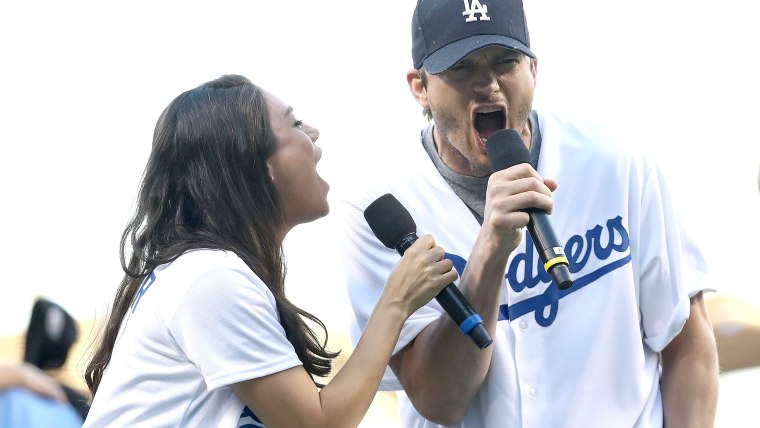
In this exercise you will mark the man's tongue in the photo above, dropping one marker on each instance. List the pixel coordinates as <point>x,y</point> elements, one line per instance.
<point>488,123</point>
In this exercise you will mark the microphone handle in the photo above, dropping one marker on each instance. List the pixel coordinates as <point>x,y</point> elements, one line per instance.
<point>549,248</point>
<point>469,321</point>
<point>456,305</point>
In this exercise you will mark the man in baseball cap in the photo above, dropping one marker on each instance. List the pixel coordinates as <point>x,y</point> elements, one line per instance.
<point>624,343</point>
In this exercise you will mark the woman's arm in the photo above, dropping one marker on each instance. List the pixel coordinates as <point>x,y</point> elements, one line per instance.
<point>31,378</point>
<point>290,399</point>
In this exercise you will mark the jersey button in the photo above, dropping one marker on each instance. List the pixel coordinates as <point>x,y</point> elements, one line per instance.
<point>523,325</point>
<point>532,392</point>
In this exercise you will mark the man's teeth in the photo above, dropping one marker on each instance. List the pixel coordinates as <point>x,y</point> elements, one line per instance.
<point>487,110</point>
<point>483,140</point>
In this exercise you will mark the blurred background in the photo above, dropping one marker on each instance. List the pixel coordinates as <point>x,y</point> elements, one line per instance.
<point>83,83</point>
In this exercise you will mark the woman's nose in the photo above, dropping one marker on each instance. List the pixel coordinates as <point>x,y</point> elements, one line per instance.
<point>313,133</point>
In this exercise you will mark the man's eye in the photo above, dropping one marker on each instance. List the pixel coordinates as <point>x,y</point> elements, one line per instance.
<point>460,66</point>
<point>298,123</point>
<point>505,65</point>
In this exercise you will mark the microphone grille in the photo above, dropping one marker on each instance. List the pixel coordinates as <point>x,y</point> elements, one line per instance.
<point>505,148</point>
<point>389,220</point>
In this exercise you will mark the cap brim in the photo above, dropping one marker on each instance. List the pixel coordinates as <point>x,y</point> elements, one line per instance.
<point>445,57</point>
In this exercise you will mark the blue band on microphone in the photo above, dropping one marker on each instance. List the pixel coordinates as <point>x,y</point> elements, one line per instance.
<point>470,323</point>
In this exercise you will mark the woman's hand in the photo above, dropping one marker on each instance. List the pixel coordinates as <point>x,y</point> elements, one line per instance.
<point>420,275</point>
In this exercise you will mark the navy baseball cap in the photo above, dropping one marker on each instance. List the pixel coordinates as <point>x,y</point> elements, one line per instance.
<point>445,31</point>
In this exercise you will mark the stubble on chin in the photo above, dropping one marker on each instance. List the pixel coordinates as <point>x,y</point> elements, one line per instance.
<point>456,150</point>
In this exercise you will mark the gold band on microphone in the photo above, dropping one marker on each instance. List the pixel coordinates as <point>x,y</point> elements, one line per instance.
<point>560,259</point>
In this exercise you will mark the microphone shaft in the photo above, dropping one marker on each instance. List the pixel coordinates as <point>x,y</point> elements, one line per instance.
<point>456,305</point>
<point>549,248</point>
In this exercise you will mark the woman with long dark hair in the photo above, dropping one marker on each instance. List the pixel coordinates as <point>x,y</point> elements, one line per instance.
<point>201,333</point>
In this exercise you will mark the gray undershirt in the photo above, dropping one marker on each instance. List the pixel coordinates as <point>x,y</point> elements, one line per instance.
<point>472,190</point>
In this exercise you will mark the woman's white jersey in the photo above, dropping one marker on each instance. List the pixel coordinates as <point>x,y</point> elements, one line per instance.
<point>197,326</point>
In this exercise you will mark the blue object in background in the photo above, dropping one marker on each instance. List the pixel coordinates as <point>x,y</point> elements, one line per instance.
<point>20,408</point>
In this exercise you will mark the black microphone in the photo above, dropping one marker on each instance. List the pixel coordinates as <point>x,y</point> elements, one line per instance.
<point>505,148</point>
<point>395,228</point>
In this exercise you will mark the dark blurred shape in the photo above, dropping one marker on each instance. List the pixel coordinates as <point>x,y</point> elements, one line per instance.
<point>49,337</point>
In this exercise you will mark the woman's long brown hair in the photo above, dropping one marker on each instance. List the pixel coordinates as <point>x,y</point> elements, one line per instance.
<point>206,185</point>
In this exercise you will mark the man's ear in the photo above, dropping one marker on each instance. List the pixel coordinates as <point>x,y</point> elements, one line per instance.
<point>417,87</point>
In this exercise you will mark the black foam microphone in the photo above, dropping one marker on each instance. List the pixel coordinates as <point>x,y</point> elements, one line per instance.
<point>505,148</point>
<point>395,228</point>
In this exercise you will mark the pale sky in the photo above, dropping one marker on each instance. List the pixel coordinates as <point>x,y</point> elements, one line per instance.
<point>84,82</point>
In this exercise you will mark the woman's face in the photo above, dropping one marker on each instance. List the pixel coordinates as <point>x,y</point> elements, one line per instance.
<point>293,166</point>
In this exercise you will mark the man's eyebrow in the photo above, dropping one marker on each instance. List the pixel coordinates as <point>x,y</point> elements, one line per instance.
<point>509,52</point>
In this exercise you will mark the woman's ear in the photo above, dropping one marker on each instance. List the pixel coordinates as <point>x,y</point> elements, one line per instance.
<point>269,171</point>
<point>417,87</point>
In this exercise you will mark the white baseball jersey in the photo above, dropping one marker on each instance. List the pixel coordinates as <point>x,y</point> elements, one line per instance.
<point>197,326</point>
<point>584,357</point>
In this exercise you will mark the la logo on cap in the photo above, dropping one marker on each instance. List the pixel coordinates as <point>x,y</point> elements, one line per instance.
<point>472,7</point>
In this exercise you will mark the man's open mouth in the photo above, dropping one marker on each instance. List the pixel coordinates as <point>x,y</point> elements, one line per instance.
<point>487,121</point>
